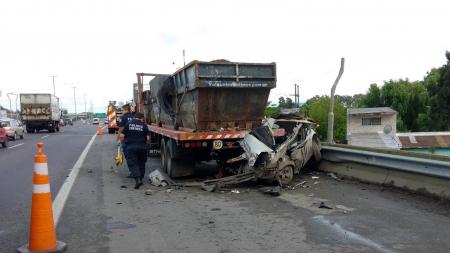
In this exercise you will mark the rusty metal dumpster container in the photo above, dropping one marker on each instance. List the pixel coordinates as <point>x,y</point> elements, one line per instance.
<point>215,95</point>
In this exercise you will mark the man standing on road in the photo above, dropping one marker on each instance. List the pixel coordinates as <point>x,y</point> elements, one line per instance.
<point>135,136</point>
<point>127,116</point>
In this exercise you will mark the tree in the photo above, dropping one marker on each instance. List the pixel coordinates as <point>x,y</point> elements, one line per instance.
<point>373,97</point>
<point>317,109</point>
<point>281,102</point>
<point>438,85</point>
<point>289,103</point>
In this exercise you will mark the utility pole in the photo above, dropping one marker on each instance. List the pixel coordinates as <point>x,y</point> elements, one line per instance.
<point>75,102</point>
<point>54,91</point>
<point>295,95</point>
<point>331,114</point>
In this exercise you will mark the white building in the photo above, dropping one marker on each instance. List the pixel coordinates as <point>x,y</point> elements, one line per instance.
<point>372,127</point>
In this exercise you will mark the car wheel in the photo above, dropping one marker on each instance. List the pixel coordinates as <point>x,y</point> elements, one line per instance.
<point>5,144</point>
<point>21,136</point>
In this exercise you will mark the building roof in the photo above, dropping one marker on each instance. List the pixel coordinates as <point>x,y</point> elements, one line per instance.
<point>425,140</point>
<point>382,110</point>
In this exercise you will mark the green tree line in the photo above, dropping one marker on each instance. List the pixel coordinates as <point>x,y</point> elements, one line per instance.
<point>422,105</point>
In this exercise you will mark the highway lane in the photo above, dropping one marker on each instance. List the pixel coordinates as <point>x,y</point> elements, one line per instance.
<point>16,166</point>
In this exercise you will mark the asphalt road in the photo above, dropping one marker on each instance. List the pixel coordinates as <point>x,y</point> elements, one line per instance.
<point>104,213</point>
<point>16,172</point>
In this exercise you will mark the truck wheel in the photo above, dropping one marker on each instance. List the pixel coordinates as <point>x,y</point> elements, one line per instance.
<point>177,167</point>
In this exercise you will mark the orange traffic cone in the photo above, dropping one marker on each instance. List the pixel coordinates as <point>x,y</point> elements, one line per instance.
<point>42,228</point>
<point>99,130</point>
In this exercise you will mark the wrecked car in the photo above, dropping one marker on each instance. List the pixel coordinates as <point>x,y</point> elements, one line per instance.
<point>278,156</point>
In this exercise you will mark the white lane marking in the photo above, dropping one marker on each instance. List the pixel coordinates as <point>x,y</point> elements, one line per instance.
<point>64,191</point>
<point>348,235</point>
<point>45,136</point>
<point>15,146</point>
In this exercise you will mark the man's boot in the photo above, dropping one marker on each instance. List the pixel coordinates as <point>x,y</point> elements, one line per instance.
<point>138,182</point>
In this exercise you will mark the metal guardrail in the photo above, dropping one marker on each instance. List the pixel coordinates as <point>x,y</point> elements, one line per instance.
<point>411,164</point>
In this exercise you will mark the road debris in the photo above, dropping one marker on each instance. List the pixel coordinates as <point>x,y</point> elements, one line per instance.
<point>272,191</point>
<point>333,176</point>
<point>214,184</point>
<point>344,208</point>
<point>324,206</point>
<point>316,182</point>
<point>235,191</point>
<point>123,186</point>
<point>148,192</point>
<point>315,177</point>
<point>169,190</point>
<point>159,178</point>
<point>209,187</point>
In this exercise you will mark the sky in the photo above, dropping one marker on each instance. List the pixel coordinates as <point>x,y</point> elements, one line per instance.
<point>98,46</point>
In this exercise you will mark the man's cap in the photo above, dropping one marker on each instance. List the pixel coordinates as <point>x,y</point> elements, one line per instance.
<point>126,106</point>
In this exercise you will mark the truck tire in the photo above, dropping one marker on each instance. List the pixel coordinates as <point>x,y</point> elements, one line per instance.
<point>177,167</point>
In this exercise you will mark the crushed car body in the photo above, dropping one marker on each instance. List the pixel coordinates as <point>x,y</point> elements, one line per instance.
<point>278,157</point>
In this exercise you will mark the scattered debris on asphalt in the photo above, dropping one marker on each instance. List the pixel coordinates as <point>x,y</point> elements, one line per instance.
<point>235,191</point>
<point>230,180</point>
<point>159,178</point>
<point>119,203</point>
<point>333,176</point>
<point>315,177</point>
<point>209,187</point>
<point>324,206</point>
<point>316,182</point>
<point>344,208</point>
<point>148,192</point>
<point>169,190</point>
<point>123,186</point>
<point>215,209</point>
<point>311,195</point>
<point>89,171</point>
<point>272,191</point>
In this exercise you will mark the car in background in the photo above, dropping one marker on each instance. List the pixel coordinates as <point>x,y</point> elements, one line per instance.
<point>3,136</point>
<point>95,121</point>
<point>14,128</point>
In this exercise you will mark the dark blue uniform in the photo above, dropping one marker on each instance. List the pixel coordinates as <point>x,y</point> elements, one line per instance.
<point>136,132</point>
<point>127,117</point>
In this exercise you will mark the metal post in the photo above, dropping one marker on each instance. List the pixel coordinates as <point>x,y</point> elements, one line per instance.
<point>75,102</point>
<point>54,90</point>
<point>330,113</point>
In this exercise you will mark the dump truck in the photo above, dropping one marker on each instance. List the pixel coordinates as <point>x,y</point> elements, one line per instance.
<point>203,110</point>
<point>40,112</point>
